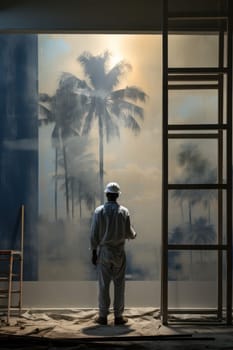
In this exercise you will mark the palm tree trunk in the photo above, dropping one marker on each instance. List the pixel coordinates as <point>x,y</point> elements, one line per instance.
<point>209,212</point>
<point>182,211</point>
<point>80,200</point>
<point>101,159</point>
<point>190,226</point>
<point>66,179</point>
<point>190,215</point>
<point>72,196</point>
<point>55,185</point>
<point>191,264</point>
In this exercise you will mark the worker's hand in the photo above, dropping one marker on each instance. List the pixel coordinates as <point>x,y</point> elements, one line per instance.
<point>94,257</point>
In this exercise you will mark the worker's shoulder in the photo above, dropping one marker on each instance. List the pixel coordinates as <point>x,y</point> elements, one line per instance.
<point>124,209</point>
<point>99,209</point>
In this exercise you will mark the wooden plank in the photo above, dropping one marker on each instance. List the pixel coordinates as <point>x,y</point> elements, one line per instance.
<point>164,263</point>
<point>206,247</point>
<point>197,127</point>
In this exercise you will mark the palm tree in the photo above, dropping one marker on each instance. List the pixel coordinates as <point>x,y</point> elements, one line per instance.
<point>195,169</point>
<point>84,190</point>
<point>203,233</point>
<point>82,173</point>
<point>47,116</point>
<point>101,100</point>
<point>64,110</point>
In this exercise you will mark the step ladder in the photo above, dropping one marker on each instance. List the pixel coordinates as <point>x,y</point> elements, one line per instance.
<point>11,276</point>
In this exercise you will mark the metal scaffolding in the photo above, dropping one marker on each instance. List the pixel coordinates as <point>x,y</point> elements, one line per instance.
<point>201,78</point>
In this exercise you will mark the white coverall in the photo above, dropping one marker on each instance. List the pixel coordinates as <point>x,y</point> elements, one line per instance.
<point>109,230</point>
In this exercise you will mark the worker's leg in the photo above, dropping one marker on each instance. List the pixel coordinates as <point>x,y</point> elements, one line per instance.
<point>104,277</point>
<point>119,288</point>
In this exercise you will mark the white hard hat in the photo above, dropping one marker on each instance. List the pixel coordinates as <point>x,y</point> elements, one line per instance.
<point>112,187</point>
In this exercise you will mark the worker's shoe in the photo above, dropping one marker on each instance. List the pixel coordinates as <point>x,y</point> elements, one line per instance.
<point>101,320</point>
<point>120,320</point>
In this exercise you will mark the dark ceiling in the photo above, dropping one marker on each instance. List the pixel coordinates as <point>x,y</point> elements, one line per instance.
<point>96,15</point>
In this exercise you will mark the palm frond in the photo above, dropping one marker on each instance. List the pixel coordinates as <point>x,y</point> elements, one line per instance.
<point>130,92</point>
<point>111,128</point>
<point>88,120</point>
<point>134,93</point>
<point>118,94</point>
<point>132,124</point>
<point>95,68</point>
<point>45,98</point>
<point>45,114</point>
<point>83,93</point>
<point>127,107</point>
<point>114,75</point>
<point>85,58</point>
<point>70,81</point>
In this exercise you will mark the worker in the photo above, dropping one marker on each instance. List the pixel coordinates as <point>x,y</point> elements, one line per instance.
<point>110,228</point>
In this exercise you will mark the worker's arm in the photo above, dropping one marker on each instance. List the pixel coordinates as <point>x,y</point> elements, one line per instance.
<point>130,231</point>
<point>94,257</point>
<point>94,237</point>
<point>95,232</point>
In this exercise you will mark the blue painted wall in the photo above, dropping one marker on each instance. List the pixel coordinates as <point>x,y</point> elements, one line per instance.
<point>18,144</point>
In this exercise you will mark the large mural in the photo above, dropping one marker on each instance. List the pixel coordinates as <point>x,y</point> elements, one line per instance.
<point>80,110</point>
<point>99,121</point>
